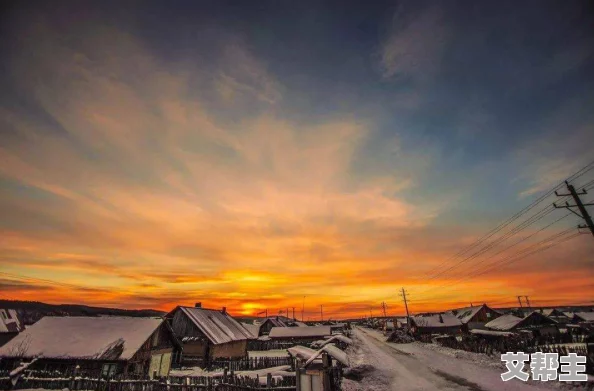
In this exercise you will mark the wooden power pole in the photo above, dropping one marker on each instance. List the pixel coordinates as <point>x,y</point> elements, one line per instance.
<point>403,294</point>
<point>583,213</point>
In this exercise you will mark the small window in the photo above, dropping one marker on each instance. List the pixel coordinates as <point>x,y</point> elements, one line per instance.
<point>108,370</point>
<point>488,314</point>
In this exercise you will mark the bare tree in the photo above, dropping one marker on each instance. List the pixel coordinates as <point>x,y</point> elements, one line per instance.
<point>21,348</point>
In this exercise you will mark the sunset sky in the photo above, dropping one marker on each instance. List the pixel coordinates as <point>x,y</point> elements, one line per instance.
<point>248,154</point>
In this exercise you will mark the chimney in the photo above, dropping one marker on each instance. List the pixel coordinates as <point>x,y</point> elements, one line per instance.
<point>224,311</point>
<point>440,318</point>
<point>198,305</point>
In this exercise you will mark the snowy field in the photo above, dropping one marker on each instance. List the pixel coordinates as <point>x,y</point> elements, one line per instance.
<point>417,366</point>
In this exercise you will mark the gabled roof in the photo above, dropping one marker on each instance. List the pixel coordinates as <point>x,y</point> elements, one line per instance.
<point>115,338</point>
<point>217,326</point>
<point>504,323</point>
<point>254,329</point>
<point>585,316</point>
<point>553,312</point>
<point>9,321</point>
<point>300,332</point>
<point>467,313</point>
<point>510,322</point>
<point>437,320</point>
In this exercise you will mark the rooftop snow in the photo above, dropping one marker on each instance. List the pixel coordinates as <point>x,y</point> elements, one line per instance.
<point>218,327</point>
<point>83,337</point>
<point>465,314</point>
<point>587,316</point>
<point>300,332</point>
<point>449,320</point>
<point>504,323</point>
<point>491,332</point>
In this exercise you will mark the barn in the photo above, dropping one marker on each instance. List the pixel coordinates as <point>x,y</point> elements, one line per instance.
<point>95,345</point>
<point>208,334</point>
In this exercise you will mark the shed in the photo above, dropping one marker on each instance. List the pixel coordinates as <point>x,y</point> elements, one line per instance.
<point>107,345</point>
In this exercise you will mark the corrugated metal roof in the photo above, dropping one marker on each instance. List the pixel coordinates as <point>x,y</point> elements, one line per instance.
<point>217,326</point>
<point>466,313</point>
<point>300,332</point>
<point>118,338</point>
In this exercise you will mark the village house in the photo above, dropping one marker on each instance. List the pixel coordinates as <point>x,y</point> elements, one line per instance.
<point>208,334</point>
<point>95,345</point>
<point>10,325</point>
<point>536,322</point>
<point>435,324</point>
<point>300,334</point>
<point>474,317</point>
<point>556,315</point>
<point>268,324</point>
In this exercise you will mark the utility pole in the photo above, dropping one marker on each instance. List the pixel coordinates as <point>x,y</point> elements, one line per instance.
<point>384,308</point>
<point>528,303</point>
<point>371,312</point>
<point>520,301</point>
<point>322,312</point>
<point>293,313</point>
<point>303,308</point>
<point>578,204</point>
<point>403,294</point>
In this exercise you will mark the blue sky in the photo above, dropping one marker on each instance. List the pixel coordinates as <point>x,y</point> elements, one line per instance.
<point>301,125</point>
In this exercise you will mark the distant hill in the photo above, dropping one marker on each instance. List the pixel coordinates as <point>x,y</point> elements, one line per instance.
<point>31,311</point>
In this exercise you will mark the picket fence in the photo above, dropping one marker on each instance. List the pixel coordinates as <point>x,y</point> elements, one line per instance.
<point>251,363</point>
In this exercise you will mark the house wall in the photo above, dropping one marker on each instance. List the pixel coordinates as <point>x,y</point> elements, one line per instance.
<point>235,349</point>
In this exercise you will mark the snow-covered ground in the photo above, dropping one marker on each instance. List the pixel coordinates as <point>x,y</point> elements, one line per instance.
<point>417,366</point>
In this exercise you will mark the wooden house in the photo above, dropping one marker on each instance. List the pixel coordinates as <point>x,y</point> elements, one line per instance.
<point>208,334</point>
<point>475,317</point>
<point>10,325</point>
<point>435,324</point>
<point>268,324</point>
<point>536,322</point>
<point>95,345</point>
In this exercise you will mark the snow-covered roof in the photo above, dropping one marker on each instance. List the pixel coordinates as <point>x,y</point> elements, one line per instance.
<point>586,316</point>
<point>117,338</point>
<point>504,322</point>
<point>438,320</point>
<point>218,327</point>
<point>300,332</point>
<point>9,321</point>
<point>301,352</point>
<point>491,332</point>
<point>466,313</point>
<point>333,351</point>
<point>336,337</point>
<point>300,324</point>
<point>254,329</point>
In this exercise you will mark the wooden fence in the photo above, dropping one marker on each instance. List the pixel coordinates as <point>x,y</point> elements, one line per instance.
<point>227,382</point>
<point>251,363</point>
